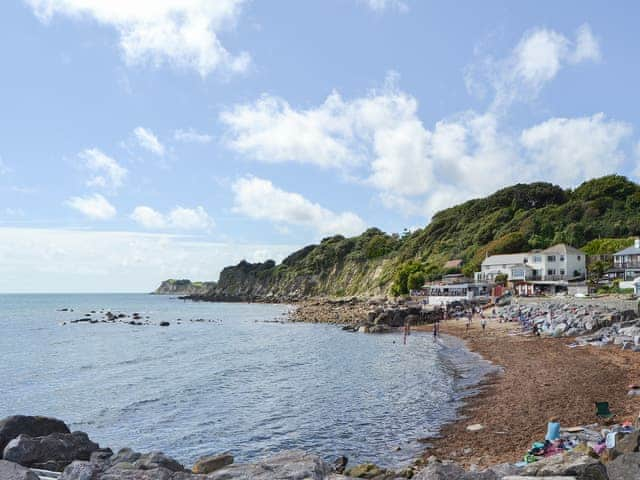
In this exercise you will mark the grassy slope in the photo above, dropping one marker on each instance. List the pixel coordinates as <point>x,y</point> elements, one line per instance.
<point>516,218</point>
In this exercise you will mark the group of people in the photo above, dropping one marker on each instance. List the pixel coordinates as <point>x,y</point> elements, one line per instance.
<point>469,313</point>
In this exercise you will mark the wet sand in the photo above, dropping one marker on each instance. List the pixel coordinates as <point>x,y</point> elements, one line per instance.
<point>540,378</point>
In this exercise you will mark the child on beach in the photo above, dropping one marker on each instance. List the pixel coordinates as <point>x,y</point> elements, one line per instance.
<point>483,322</point>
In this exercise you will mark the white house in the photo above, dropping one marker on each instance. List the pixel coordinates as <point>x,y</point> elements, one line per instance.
<point>557,264</point>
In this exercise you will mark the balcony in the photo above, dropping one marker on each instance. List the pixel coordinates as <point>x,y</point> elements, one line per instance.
<point>633,264</point>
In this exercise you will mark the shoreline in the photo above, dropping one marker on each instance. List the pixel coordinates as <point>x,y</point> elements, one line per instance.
<point>539,378</point>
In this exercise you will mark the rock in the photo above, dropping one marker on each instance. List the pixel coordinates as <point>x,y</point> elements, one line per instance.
<point>51,452</point>
<point>125,455</point>
<point>627,444</point>
<point>505,469</point>
<point>581,466</point>
<point>152,460</point>
<point>212,463</point>
<point>476,427</point>
<point>340,464</point>
<point>155,474</point>
<point>441,471</point>
<point>366,470</point>
<point>79,470</point>
<point>287,465</point>
<point>11,427</point>
<point>164,324</point>
<point>13,471</point>
<point>624,467</point>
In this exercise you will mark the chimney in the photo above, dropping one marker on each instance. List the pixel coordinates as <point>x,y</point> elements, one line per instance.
<point>636,243</point>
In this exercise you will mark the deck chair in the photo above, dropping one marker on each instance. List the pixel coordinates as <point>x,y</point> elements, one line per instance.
<point>602,411</point>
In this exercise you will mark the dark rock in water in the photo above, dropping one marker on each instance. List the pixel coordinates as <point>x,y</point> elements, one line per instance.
<point>164,324</point>
<point>11,427</point>
<point>340,464</point>
<point>287,465</point>
<point>51,452</point>
<point>212,463</point>
<point>624,467</point>
<point>13,471</point>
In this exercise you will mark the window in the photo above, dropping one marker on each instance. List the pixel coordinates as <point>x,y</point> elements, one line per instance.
<point>578,257</point>
<point>551,258</point>
<point>562,258</point>
<point>551,271</point>
<point>537,259</point>
<point>561,271</point>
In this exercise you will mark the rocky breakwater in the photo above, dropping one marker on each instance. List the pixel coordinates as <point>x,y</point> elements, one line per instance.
<point>569,319</point>
<point>32,444</point>
<point>371,315</point>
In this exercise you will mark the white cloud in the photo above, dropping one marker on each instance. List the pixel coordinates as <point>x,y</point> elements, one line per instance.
<point>182,33</point>
<point>179,218</point>
<point>95,206</point>
<point>147,140</point>
<point>148,217</point>
<point>569,150</point>
<point>108,173</point>
<point>191,136</point>
<point>379,6</point>
<point>39,260</point>
<point>536,60</point>
<point>259,199</point>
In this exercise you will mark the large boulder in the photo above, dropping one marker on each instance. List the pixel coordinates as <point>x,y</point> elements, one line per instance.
<point>287,465</point>
<point>13,471</point>
<point>11,427</point>
<point>442,471</point>
<point>212,463</point>
<point>578,465</point>
<point>149,461</point>
<point>51,452</point>
<point>624,467</point>
<point>79,470</point>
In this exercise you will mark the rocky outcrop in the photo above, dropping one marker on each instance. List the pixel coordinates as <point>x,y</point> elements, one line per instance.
<point>287,465</point>
<point>51,452</point>
<point>624,467</point>
<point>212,463</point>
<point>13,471</point>
<point>184,287</point>
<point>13,426</point>
<point>578,465</point>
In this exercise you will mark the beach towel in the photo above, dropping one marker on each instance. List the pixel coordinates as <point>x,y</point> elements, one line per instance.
<point>611,439</point>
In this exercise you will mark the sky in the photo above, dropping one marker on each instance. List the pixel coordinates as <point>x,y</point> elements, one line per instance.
<point>150,139</point>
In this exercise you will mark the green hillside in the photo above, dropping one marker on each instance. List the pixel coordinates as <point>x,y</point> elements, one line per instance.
<point>520,217</point>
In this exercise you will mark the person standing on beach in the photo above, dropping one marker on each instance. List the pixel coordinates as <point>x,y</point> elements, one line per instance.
<point>468,321</point>
<point>483,322</point>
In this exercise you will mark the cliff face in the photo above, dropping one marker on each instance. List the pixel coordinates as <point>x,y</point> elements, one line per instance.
<point>516,218</point>
<point>184,287</point>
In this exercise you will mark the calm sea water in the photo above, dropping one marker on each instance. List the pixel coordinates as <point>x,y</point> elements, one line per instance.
<point>238,384</point>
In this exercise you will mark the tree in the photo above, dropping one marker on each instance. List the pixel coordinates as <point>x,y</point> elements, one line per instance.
<point>415,281</point>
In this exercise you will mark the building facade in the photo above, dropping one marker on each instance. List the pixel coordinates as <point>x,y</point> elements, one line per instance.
<point>559,263</point>
<point>626,263</point>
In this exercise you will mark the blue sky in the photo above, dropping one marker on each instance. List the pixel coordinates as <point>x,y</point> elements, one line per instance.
<point>148,139</point>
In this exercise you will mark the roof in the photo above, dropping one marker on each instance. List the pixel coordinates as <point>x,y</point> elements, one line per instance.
<point>506,259</point>
<point>629,251</point>
<point>563,248</point>
<point>453,263</point>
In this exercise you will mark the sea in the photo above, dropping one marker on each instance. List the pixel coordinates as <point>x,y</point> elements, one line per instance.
<point>228,377</point>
